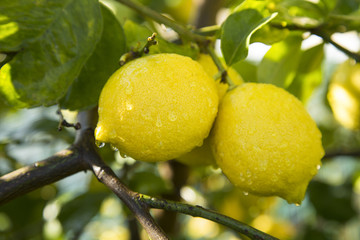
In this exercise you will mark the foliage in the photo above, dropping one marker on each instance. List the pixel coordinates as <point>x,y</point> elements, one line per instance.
<point>60,54</point>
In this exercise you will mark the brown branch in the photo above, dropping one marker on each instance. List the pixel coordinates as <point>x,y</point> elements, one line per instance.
<point>107,176</point>
<point>80,156</point>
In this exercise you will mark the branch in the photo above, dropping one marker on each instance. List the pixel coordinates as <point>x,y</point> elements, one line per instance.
<point>198,211</point>
<point>63,164</point>
<point>80,156</point>
<point>332,154</point>
<point>180,29</point>
<point>106,176</point>
<point>322,34</point>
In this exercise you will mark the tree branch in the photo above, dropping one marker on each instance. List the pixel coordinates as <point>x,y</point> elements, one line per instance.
<point>198,211</point>
<point>106,176</point>
<point>322,34</point>
<point>180,29</point>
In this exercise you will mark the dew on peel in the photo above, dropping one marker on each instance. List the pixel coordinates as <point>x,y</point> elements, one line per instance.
<point>114,148</point>
<point>172,116</point>
<point>245,193</point>
<point>129,106</point>
<point>248,173</point>
<point>158,122</point>
<point>128,90</point>
<point>99,144</point>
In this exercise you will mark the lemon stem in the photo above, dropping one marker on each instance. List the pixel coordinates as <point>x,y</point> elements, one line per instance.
<point>224,76</point>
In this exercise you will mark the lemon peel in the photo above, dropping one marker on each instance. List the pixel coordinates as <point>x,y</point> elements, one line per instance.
<point>157,107</point>
<point>265,142</point>
<point>202,156</point>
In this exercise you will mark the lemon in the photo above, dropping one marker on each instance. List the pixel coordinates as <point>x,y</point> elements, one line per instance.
<point>202,156</point>
<point>344,94</point>
<point>157,107</point>
<point>265,142</point>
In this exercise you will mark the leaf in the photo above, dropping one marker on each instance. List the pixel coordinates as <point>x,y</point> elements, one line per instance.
<point>49,59</point>
<point>77,213</point>
<point>279,64</point>
<point>85,90</point>
<point>309,73</point>
<point>237,31</point>
<point>148,183</point>
<point>337,198</point>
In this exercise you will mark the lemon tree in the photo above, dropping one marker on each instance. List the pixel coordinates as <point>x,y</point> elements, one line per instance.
<point>168,82</point>
<point>157,107</point>
<point>265,142</point>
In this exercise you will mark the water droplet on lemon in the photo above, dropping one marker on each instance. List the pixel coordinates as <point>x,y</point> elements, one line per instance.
<point>99,144</point>
<point>172,116</point>
<point>114,148</point>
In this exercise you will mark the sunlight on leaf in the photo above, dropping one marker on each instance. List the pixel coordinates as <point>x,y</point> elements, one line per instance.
<point>237,31</point>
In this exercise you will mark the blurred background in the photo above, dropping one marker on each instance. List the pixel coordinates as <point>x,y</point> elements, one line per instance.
<point>79,207</point>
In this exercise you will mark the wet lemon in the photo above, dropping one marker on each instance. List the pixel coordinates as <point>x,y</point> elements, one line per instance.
<point>157,108</point>
<point>344,95</point>
<point>265,142</point>
<point>202,156</point>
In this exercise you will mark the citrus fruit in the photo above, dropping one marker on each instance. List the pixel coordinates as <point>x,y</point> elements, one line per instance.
<point>344,94</point>
<point>265,142</point>
<point>157,107</point>
<point>202,156</point>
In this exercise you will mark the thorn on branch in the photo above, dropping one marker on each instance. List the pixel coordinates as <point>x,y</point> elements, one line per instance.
<point>64,123</point>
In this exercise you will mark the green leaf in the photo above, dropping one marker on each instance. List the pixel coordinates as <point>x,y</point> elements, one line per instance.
<point>46,64</point>
<point>280,63</point>
<point>85,90</point>
<point>302,13</point>
<point>337,198</point>
<point>237,31</point>
<point>77,213</point>
<point>309,73</point>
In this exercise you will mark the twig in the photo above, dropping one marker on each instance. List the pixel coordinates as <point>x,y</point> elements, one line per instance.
<point>328,39</point>
<point>332,154</point>
<point>64,123</point>
<point>136,53</point>
<point>318,31</point>
<point>198,211</point>
<point>180,29</point>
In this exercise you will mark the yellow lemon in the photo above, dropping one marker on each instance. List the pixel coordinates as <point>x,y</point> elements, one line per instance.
<point>265,142</point>
<point>344,95</point>
<point>202,156</point>
<point>157,108</point>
